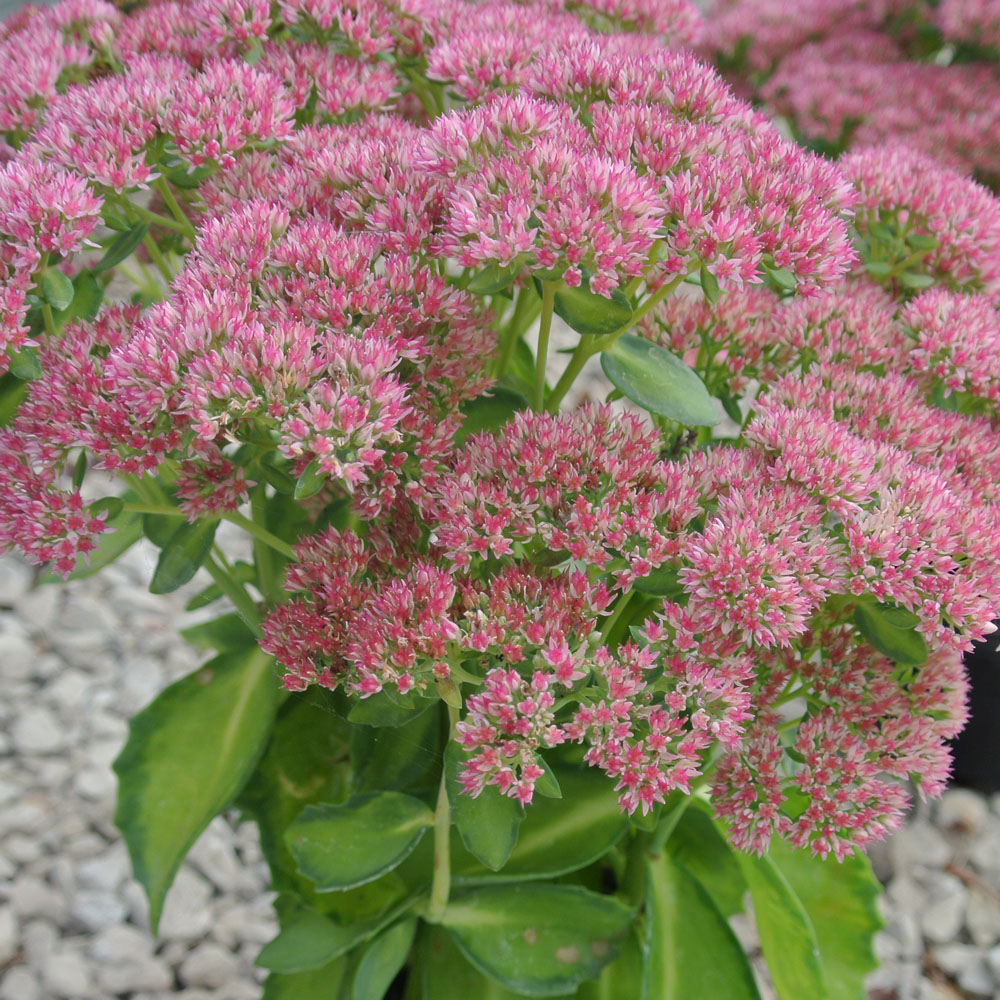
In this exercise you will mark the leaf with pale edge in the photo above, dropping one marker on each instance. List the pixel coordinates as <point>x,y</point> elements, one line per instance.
<point>187,756</point>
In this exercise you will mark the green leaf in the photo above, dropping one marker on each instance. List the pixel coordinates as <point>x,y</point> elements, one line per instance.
<point>732,408</point>
<point>787,936</point>
<point>547,784</point>
<point>446,975</point>
<point>308,940</point>
<point>397,758</point>
<point>489,412</point>
<point>182,556</point>
<point>274,469</point>
<point>56,288</point>
<point>493,278</point>
<point>12,391</point>
<point>122,247</point>
<point>620,979</point>
<point>878,268</point>
<point>540,940</point>
<point>661,582</point>
<point>841,900</point>
<point>591,314</point>
<point>79,469</point>
<point>690,949</point>
<point>181,177</point>
<point>188,754</point>
<point>910,279</point>
<point>782,278</point>
<point>25,365</point>
<point>389,708</point>
<point>160,528</point>
<point>557,835</point>
<point>341,846</point>
<point>312,480</point>
<point>922,241</point>
<point>709,285</point>
<point>87,298</point>
<point>316,984</point>
<point>305,762</point>
<point>885,629</point>
<point>382,960</point>
<point>700,847</point>
<point>658,381</point>
<point>487,824</point>
<point>222,633</point>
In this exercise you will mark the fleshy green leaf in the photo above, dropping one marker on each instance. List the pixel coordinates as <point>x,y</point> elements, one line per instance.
<point>489,412</point>
<point>910,279</point>
<point>589,313</point>
<point>87,298</point>
<point>389,708</point>
<point>709,285</point>
<point>312,480</point>
<point>382,959</point>
<point>557,835</point>
<point>446,975</point>
<point>243,572</point>
<point>188,754</point>
<point>690,949</point>
<point>397,758</point>
<point>787,936</point>
<point>700,847</point>
<point>621,978</point>
<point>160,528</point>
<point>661,582</point>
<point>547,784</point>
<point>122,247</point>
<point>891,633</point>
<point>658,381</point>
<point>25,365</point>
<point>182,556</point>
<point>487,824</point>
<point>12,391</point>
<point>56,288</point>
<point>493,278</point>
<point>316,984</point>
<point>226,632</point>
<point>308,940</point>
<point>305,762</point>
<point>840,899</point>
<point>341,846</point>
<point>878,268</point>
<point>782,278</point>
<point>540,940</point>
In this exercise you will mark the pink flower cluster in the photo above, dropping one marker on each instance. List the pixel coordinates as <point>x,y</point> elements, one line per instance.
<point>336,200</point>
<point>873,71</point>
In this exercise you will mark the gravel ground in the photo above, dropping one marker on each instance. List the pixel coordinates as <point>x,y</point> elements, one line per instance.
<point>77,660</point>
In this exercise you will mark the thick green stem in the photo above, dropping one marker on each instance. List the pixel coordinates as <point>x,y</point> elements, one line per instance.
<point>138,212</point>
<point>525,311</point>
<point>175,209</point>
<point>158,259</point>
<point>613,618</point>
<point>242,601</point>
<point>588,347</point>
<point>542,354</point>
<point>267,570</point>
<point>441,881</point>
<point>47,318</point>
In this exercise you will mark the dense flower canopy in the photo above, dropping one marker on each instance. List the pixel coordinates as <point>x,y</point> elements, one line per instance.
<point>327,212</point>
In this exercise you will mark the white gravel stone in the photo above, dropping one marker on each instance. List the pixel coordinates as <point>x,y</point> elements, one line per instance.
<point>32,897</point>
<point>214,856</point>
<point>66,974</point>
<point>38,731</point>
<point>942,919</point>
<point>39,940</point>
<point>17,656</point>
<point>982,918</point>
<point>120,943</point>
<point>106,871</point>
<point>918,845</point>
<point>975,978</point>
<point>953,958</point>
<point>20,983</point>
<point>133,974</point>
<point>95,909</point>
<point>9,935</point>
<point>962,811</point>
<point>15,579</point>
<point>186,914</point>
<point>993,962</point>
<point>209,965</point>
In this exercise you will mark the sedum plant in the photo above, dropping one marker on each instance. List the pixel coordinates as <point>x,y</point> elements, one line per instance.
<point>524,699</point>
